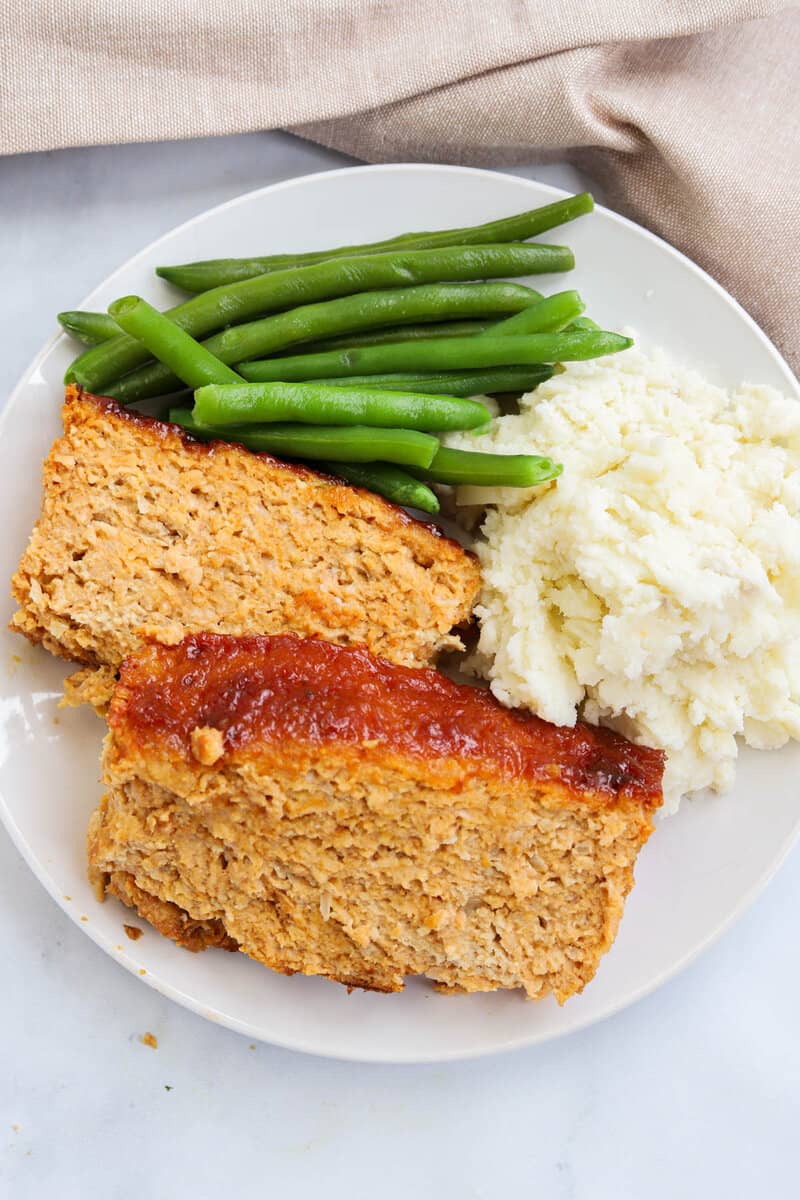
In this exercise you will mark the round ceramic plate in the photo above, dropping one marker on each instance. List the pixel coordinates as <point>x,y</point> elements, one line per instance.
<point>699,870</point>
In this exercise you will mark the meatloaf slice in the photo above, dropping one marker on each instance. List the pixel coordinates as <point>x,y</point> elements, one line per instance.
<point>143,527</point>
<point>336,814</point>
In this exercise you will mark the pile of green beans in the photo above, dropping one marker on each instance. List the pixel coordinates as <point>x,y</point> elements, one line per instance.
<point>450,383</point>
<point>402,333</point>
<point>234,303</point>
<point>354,359</point>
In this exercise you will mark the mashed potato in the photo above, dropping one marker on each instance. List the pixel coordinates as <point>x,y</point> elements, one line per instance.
<point>656,586</point>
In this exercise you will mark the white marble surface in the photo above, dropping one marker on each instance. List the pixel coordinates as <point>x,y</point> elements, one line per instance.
<point>693,1092</point>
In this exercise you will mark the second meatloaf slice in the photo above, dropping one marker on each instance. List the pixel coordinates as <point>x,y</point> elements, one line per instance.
<point>332,813</point>
<point>144,529</point>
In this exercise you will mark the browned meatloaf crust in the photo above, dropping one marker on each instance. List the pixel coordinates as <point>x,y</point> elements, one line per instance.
<point>145,529</point>
<point>339,815</point>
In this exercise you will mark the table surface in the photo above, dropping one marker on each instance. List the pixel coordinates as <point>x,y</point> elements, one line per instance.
<point>694,1091</point>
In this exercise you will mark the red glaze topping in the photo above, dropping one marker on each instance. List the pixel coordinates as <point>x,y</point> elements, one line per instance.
<point>268,691</point>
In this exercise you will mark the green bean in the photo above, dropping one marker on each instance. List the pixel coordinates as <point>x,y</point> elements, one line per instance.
<point>490,470</point>
<point>311,404</point>
<point>91,328</point>
<point>200,276</point>
<point>548,316</point>
<point>331,443</point>
<point>584,323</point>
<point>360,311</point>
<point>102,365</point>
<point>450,383</point>
<point>190,361</point>
<point>441,354</point>
<point>399,333</point>
<point>386,480</point>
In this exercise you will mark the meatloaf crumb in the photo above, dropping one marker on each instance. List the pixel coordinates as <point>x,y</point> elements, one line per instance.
<point>89,685</point>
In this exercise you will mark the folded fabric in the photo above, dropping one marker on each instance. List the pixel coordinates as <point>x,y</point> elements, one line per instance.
<point>686,113</point>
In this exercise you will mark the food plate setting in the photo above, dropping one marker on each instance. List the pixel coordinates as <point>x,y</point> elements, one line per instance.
<point>597,454</point>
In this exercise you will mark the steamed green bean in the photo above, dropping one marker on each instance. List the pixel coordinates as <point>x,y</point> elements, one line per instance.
<point>90,328</point>
<point>312,404</point>
<point>191,362</point>
<point>439,354</point>
<point>331,443</point>
<point>490,470</point>
<point>386,480</point>
<point>548,316</point>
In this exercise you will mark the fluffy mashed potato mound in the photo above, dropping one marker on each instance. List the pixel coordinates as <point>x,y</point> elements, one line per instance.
<point>655,587</point>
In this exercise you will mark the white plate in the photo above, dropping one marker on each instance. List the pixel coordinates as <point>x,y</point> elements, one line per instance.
<point>698,872</point>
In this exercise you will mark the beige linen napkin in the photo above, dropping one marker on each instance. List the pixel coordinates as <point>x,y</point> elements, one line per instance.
<point>686,111</point>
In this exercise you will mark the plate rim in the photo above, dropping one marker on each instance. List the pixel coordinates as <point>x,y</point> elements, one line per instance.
<point>175,993</point>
